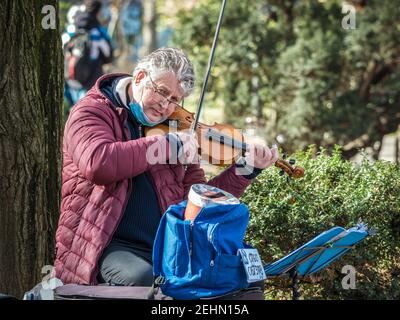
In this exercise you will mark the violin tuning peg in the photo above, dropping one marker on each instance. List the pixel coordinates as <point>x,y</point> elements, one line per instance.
<point>288,179</point>
<point>292,161</point>
<point>284,155</point>
<point>281,173</point>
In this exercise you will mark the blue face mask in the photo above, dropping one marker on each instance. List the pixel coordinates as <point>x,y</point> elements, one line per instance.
<point>140,116</point>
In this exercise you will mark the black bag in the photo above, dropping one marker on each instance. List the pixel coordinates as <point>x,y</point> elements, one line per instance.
<point>7,297</point>
<point>78,64</point>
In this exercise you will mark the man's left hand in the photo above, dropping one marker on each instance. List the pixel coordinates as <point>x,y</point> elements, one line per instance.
<point>261,157</point>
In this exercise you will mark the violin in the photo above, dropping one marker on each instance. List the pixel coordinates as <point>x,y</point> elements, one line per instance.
<point>220,144</point>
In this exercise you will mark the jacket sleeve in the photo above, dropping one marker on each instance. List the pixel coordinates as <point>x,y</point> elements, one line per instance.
<point>226,180</point>
<point>229,181</point>
<point>194,174</point>
<point>91,143</point>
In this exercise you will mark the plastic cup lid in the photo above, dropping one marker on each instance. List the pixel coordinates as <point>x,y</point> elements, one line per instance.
<point>202,195</point>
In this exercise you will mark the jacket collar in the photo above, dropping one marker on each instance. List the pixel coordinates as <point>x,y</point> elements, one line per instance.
<point>122,112</point>
<point>96,88</point>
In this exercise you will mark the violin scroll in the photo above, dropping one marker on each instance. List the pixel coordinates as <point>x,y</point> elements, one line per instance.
<point>288,168</point>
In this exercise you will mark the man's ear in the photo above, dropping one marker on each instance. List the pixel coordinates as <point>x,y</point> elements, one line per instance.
<point>139,76</point>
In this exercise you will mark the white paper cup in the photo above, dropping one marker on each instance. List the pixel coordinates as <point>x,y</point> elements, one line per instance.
<point>203,195</point>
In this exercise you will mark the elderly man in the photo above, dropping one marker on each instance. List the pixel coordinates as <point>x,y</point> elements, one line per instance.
<point>112,195</point>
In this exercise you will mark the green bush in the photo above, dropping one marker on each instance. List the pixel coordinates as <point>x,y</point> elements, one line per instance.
<point>333,192</point>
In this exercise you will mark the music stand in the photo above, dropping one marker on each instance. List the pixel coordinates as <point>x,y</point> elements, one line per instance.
<point>317,253</point>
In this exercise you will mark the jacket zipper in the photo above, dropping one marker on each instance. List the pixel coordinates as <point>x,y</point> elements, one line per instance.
<point>130,187</point>
<point>140,131</point>
<point>148,174</point>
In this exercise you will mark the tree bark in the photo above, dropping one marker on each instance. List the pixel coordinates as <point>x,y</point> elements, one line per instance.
<point>31,85</point>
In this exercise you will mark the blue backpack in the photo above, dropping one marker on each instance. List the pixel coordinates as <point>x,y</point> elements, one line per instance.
<point>198,259</point>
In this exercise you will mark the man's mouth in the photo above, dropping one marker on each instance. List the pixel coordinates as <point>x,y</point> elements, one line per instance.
<point>157,113</point>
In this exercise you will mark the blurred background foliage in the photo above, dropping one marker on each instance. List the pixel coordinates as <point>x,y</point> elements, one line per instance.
<point>292,67</point>
<point>334,192</point>
<point>286,69</point>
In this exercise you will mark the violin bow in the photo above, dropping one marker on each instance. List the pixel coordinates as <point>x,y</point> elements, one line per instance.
<point>295,172</point>
<point>210,62</point>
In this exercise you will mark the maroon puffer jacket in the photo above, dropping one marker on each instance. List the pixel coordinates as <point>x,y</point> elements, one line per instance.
<point>98,161</point>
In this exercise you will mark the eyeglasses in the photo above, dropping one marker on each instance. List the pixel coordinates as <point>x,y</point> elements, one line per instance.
<point>165,95</point>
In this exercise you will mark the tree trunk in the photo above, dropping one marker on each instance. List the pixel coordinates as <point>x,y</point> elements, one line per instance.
<point>30,129</point>
<point>149,27</point>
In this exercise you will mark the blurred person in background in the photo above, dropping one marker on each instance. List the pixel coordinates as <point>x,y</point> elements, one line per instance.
<point>131,25</point>
<point>87,47</point>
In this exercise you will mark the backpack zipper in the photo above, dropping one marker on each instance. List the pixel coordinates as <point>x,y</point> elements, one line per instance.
<point>210,239</point>
<point>191,238</point>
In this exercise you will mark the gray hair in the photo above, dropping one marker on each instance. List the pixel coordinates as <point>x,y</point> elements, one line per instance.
<point>169,60</point>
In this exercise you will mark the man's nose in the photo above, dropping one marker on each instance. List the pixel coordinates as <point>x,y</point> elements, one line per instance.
<point>164,104</point>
